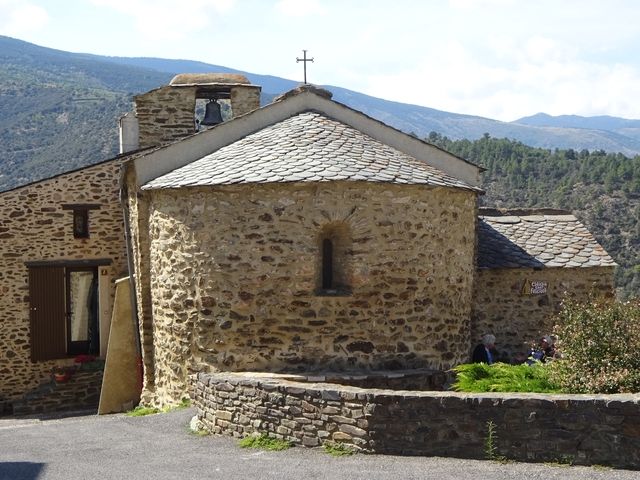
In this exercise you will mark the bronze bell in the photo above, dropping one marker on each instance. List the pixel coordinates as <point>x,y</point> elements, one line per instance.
<point>212,114</point>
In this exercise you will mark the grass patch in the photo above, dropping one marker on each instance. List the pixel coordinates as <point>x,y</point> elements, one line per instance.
<point>500,377</point>
<point>338,449</point>
<point>264,442</point>
<point>184,403</point>
<point>142,411</point>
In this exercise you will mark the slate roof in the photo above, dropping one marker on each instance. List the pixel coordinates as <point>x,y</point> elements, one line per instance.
<point>308,147</point>
<point>514,239</point>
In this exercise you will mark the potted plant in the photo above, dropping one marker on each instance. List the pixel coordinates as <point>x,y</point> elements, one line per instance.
<point>61,374</point>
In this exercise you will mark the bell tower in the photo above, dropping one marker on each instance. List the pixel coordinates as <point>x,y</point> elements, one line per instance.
<point>168,113</point>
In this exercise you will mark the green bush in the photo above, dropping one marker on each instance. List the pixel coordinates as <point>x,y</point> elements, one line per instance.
<point>500,377</point>
<point>600,346</point>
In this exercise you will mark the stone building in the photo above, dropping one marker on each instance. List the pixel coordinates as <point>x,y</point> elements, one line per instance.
<point>62,246</point>
<point>306,236</point>
<point>528,261</point>
<point>300,236</point>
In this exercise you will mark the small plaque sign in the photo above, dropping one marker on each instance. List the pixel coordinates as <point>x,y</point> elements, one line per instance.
<point>534,287</point>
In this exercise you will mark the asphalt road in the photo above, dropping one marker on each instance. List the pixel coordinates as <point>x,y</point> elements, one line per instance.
<point>161,447</point>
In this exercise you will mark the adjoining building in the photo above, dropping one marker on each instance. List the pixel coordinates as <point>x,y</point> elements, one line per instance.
<point>529,261</point>
<point>62,248</point>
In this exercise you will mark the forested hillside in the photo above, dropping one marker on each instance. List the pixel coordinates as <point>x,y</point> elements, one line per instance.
<point>601,189</point>
<point>59,111</point>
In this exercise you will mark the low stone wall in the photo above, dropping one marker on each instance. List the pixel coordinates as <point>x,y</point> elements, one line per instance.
<point>421,379</point>
<point>583,429</point>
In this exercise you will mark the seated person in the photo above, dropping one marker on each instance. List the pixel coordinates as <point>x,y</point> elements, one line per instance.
<point>546,351</point>
<point>486,351</point>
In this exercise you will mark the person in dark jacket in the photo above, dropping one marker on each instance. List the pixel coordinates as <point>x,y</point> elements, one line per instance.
<point>546,351</point>
<point>486,351</point>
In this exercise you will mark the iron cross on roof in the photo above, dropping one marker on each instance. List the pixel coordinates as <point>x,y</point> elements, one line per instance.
<point>304,61</point>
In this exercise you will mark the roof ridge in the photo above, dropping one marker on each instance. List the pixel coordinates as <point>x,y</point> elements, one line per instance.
<point>517,212</point>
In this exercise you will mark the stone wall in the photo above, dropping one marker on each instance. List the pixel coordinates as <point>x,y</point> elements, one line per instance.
<point>518,319</point>
<point>234,276</point>
<point>80,392</point>
<point>244,99</point>
<point>138,213</point>
<point>167,114</point>
<point>33,227</point>
<point>581,429</point>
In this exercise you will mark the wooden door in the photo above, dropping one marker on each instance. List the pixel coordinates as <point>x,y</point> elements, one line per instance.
<point>47,313</point>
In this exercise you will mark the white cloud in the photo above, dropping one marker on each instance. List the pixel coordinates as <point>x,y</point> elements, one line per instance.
<point>19,17</point>
<point>536,75</point>
<point>474,4</point>
<point>165,19</point>
<point>299,8</point>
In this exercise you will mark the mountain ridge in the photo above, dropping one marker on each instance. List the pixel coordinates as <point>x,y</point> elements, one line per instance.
<point>32,76</point>
<point>596,122</point>
<point>421,120</point>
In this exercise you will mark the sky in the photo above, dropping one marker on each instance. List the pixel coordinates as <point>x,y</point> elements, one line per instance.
<point>501,59</point>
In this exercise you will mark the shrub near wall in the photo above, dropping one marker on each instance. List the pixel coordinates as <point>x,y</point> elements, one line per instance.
<point>600,344</point>
<point>583,429</point>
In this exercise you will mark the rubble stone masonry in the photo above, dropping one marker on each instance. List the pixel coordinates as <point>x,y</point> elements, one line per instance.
<point>580,429</point>
<point>517,318</point>
<point>138,211</point>
<point>167,114</point>
<point>234,275</point>
<point>34,227</point>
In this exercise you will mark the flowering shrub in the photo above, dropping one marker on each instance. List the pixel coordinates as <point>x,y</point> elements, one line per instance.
<point>600,345</point>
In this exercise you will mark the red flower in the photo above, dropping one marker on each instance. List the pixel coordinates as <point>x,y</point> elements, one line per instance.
<point>84,358</point>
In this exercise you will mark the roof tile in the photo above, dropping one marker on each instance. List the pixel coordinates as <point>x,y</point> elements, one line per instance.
<point>308,147</point>
<point>511,241</point>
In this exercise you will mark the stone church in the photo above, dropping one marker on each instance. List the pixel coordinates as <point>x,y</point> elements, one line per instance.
<point>306,236</point>
<point>298,236</point>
